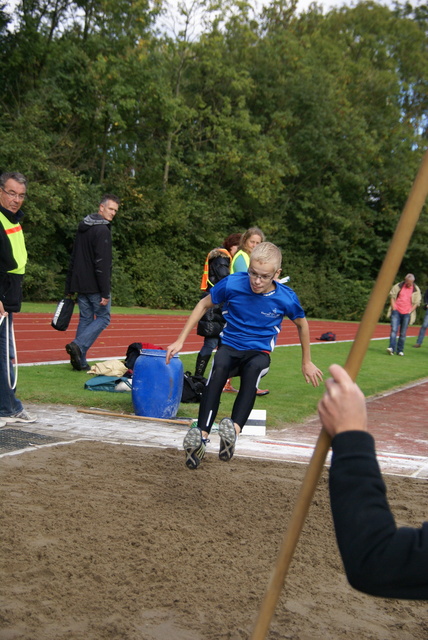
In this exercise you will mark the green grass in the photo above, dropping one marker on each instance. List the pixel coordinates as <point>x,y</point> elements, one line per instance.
<point>291,400</point>
<point>49,307</point>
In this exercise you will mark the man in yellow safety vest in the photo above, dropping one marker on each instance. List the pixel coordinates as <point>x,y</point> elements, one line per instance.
<point>13,258</point>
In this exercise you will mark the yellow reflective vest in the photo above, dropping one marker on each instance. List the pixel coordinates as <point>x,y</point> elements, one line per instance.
<point>15,236</point>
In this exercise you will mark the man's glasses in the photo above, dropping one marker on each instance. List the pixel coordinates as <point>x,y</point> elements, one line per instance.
<point>256,276</point>
<point>13,195</point>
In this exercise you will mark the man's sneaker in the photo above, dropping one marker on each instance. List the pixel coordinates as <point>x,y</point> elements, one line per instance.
<point>400,353</point>
<point>416,346</point>
<point>227,433</point>
<point>262,392</point>
<point>194,445</point>
<point>228,388</point>
<point>3,423</point>
<point>75,355</point>
<point>390,351</point>
<point>22,416</point>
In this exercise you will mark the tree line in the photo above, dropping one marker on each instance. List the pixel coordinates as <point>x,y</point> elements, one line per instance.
<point>309,125</point>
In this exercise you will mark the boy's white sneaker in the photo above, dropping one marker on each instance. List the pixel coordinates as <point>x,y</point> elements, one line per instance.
<point>227,433</point>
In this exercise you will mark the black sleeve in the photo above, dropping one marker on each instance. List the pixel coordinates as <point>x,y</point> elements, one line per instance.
<point>379,558</point>
<point>103,260</point>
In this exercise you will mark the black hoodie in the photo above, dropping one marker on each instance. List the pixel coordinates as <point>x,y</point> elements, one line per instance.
<point>91,260</point>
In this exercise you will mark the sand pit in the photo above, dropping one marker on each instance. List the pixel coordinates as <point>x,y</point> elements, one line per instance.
<point>102,541</point>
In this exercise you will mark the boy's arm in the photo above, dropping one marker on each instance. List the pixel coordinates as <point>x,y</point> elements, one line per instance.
<point>201,308</point>
<point>311,373</point>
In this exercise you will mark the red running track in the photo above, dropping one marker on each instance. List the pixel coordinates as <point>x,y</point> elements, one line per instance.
<point>38,342</point>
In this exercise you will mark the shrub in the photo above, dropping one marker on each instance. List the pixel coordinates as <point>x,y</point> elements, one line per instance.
<point>164,282</point>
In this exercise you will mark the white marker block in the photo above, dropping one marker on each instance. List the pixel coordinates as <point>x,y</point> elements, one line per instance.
<point>256,423</point>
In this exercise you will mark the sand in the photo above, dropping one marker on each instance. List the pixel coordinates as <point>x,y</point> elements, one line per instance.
<point>102,541</point>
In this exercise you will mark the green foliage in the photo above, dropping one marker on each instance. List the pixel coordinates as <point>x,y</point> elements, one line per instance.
<point>161,283</point>
<point>311,126</point>
<point>122,288</point>
<point>41,283</point>
<point>325,292</point>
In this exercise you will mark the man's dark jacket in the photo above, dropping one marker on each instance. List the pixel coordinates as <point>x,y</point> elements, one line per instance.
<point>379,558</point>
<point>91,259</point>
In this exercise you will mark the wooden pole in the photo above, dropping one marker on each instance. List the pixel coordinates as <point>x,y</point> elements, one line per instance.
<point>96,412</point>
<point>391,264</point>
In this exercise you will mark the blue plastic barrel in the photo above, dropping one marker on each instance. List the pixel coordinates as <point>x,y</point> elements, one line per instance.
<point>157,386</point>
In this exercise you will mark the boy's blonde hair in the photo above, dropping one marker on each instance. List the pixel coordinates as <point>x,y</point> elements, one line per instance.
<point>267,252</point>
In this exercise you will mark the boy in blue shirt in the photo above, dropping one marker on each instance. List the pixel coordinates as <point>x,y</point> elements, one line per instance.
<point>254,305</point>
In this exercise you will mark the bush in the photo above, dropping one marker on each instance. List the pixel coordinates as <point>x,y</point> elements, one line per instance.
<point>42,284</point>
<point>325,293</point>
<point>163,282</point>
<point>122,286</point>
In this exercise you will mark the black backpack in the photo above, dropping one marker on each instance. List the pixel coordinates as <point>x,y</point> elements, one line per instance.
<point>134,350</point>
<point>132,353</point>
<point>193,387</point>
<point>329,336</point>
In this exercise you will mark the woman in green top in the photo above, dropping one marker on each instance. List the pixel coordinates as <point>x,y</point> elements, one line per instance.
<point>250,239</point>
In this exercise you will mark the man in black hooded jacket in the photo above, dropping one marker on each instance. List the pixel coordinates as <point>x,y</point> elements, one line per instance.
<point>89,274</point>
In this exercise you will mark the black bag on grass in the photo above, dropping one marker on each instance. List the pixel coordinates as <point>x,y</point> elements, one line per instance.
<point>329,336</point>
<point>132,353</point>
<point>134,350</point>
<point>193,387</point>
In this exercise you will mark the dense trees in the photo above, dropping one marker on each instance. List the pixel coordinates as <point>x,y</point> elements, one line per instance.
<point>311,126</point>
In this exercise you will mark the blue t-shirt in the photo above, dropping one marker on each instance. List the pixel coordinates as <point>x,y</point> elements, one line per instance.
<point>253,320</point>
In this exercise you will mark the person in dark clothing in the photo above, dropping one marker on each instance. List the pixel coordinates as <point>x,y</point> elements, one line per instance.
<point>424,326</point>
<point>217,267</point>
<point>89,274</point>
<point>380,558</point>
<point>13,258</point>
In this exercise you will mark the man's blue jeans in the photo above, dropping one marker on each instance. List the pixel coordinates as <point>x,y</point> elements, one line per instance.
<point>9,404</point>
<point>398,321</point>
<point>93,319</point>
<point>208,347</point>
<point>423,329</point>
